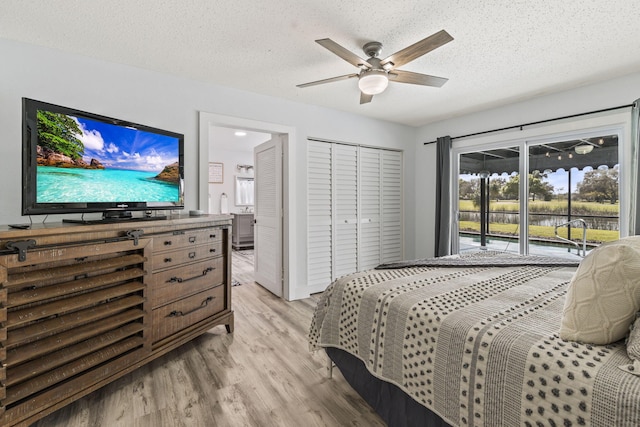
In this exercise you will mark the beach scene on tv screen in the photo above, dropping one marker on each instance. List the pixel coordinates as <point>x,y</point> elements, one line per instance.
<point>87,161</point>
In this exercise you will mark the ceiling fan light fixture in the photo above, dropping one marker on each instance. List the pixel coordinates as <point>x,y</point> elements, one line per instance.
<point>373,75</point>
<point>584,149</point>
<point>373,82</point>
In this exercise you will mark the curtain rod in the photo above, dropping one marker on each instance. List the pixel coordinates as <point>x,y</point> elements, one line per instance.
<point>534,123</point>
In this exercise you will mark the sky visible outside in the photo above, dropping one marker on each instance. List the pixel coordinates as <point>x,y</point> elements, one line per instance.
<point>558,179</point>
<point>120,147</point>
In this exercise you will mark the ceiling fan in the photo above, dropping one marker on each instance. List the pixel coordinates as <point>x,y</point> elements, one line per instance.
<point>375,73</point>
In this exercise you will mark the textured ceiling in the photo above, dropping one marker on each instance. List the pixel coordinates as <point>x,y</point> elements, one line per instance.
<point>503,50</point>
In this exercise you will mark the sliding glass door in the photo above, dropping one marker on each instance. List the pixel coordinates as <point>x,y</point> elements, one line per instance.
<point>573,194</point>
<point>568,204</point>
<point>488,200</point>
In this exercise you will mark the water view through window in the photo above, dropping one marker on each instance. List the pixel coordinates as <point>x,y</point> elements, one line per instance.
<point>572,197</point>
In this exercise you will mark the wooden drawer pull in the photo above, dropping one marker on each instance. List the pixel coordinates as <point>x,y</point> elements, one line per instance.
<point>181,280</point>
<point>203,304</point>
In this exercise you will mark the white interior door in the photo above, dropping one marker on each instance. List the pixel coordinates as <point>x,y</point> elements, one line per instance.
<point>370,247</point>
<point>391,203</point>
<point>354,202</point>
<point>268,215</point>
<point>320,214</point>
<point>345,208</point>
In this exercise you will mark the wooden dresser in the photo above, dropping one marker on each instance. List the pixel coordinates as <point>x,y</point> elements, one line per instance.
<point>82,305</point>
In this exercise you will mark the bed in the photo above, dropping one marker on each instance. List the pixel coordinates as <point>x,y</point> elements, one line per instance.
<point>481,340</point>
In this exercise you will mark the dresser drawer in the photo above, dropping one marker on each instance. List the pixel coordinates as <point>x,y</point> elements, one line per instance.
<point>171,318</point>
<point>175,283</point>
<point>188,254</point>
<point>183,239</point>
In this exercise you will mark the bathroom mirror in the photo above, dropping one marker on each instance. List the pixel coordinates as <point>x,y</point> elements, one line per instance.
<point>244,191</point>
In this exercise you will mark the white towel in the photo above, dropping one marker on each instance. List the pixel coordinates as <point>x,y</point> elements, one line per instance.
<point>224,205</point>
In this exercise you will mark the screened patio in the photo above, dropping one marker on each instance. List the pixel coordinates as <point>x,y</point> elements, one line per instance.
<point>563,163</point>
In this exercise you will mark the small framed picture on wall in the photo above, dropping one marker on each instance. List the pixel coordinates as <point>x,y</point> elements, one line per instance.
<point>216,173</point>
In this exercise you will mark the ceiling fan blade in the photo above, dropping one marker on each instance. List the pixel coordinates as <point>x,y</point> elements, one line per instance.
<point>418,49</point>
<point>364,98</point>
<point>400,76</point>
<point>332,79</point>
<point>343,53</point>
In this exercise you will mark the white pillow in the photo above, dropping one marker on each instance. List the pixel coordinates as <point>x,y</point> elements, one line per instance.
<point>604,294</point>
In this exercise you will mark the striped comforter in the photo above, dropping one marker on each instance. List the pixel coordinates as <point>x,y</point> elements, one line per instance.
<point>478,345</point>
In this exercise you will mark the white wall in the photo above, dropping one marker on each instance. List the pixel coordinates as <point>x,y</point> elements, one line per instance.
<point>229,158</point>
<point>173,103</point>
<point>612,93</point>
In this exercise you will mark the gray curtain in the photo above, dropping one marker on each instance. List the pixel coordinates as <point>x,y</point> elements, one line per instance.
<point>635,144</point>
<point>443,197</point>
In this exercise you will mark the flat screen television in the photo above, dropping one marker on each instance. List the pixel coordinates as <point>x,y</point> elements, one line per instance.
<point>79,162</point>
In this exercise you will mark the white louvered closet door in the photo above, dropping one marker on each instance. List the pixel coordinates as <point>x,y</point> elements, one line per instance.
<point>320,230</point>
<point>354,210</point>
<point>369,249</point>
<point>345,202</point>
<point>392,229</point>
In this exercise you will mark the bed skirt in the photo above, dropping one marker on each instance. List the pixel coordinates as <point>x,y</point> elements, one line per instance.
<point>393,405</point>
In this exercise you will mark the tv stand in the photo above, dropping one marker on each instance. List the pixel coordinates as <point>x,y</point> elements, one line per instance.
<point>84,305</point>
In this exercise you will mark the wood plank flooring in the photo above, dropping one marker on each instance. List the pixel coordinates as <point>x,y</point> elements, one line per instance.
<point>261,375</point>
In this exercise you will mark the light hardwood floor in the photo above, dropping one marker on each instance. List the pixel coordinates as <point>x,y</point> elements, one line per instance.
<point>261,375</point>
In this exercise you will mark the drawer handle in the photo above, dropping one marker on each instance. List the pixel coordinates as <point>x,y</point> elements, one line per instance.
<point>212,236</point>
<point>203,304</point>
<point>21,247</point>
<point>168,260</point>
<point>192,239</point>
<point>192,255</point>
<point>212,250</point>
<point>167,242</point>
<point>181,280</point>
